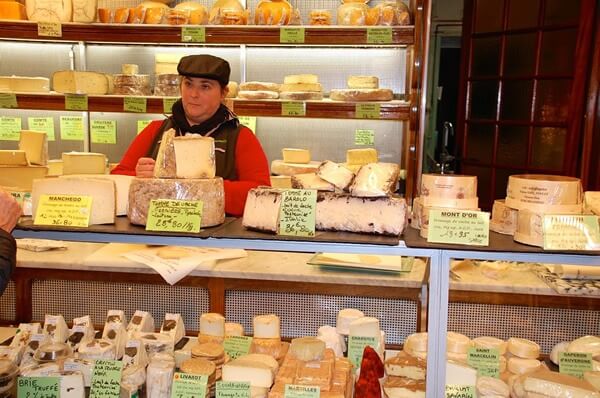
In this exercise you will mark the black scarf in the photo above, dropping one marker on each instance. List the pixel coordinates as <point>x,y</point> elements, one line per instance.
<point>206,128</point>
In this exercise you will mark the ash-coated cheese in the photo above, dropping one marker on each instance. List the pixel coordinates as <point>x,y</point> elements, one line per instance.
<point>115,331</point>
<point>10,157</point>
<point>266,326</point>
<point>375,179</point>
<point>134,353</point>
<point>280,167</point>
<point>335,174</point>
<point>81,332</point>
<point>194,156</point>
<point>35,145</point>
<point>141,321</point>
<point>360,157</point>
<point>24,84</point>
<point>56,328</point>
<point>344,319</point>
<point>49,10</point>
<point>80,82</point>
<point>212,324</point>
<point>261,211</point>
<point>173,326</point>
<point>83,163</point>
<point>122,183</point>
<point>296,155</point>
<point>311,181</point>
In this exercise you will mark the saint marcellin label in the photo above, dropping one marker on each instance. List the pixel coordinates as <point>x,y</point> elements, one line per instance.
<point>485,360</point>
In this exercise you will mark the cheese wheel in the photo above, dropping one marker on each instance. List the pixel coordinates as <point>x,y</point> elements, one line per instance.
<point>310,87</point>
<point>457,343</point>
<point>491,386</point>
<point>260,86</point>
<point>416,342</point>
<point>345,317</point>
<point>212,324</point>
<point>530,225</point>
<point>450,186</point>
<point>535,191</point>
<point>301,96</point>
<point>504,218</point>
<point>463,204</point>
<point>586,344</point>
<point>266,326</point>
<point>363,82</point>
<point>523,348</point>
<point>258,95</point>
<point>361,94</point>
<point>521,365</point>
<point>490,342</point>
<point>297,79</point>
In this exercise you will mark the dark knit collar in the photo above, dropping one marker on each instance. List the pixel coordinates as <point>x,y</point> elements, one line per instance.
<point>206,128</point>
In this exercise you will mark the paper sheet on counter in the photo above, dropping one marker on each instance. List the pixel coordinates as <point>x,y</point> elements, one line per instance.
<point>175,262</point>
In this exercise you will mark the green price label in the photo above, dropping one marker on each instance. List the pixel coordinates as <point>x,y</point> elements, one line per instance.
<point>364,137</point>
<point>76,102</point>
<point>367,111</point>
<point>462,227</point>
<point>49,29</point>
<point>21,197</point>
<point>45,124</point>
<point>71,128</point>
<point>237,345</point>
<point>291,35</point>
<point>571,232</point>
<point>168,104</point>
<point>135,104</point>
<point>248,121</point>
<point>106,379</point>
<point>233,389</point>
<point>142,124</point>
<point>379,35</point>
<point>188,385</point>
<point>356,347</point>
<point>103,131</point>
<point>63,210</point>
<point>293,109</point>
<point>456,391</point>
<point>174,215</point>
<point>485,360</point>
<point>575,363</point>
<point>193,34</point>
<point>47,387</point>
<point>8,100</point>
<point>10,128</point>
<point>297,212</point>
<point>297,391</point>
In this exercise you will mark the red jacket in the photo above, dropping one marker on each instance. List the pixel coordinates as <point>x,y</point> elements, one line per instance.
<point>251,165</point>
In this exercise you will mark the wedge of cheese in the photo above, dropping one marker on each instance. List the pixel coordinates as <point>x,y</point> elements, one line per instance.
<point>281,182</point>
<point>22,83</point>
<point>194,156</point>
<point>335,174</point>
<point>84,163</point>
<point>122,183</point>
<point>295,155</point>
<point>375,179</point>
<point>79,82</point>
<point>360,157</point>
<point>280,167</point>
<point>49,10</point>
<point>21,176</point>
<point>558,385</point>
<point>311,181</point>
<point>262,209</point>
<point>13,158</point>
<point>141,321</point>
<point>165,166</point>
<point>35,145</point>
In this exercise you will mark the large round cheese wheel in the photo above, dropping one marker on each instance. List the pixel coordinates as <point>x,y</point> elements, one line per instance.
<point>448,186</point>
<point>535,191</point>
<point>198,15</point>
<point>273,12</point>
<point>365,94</point>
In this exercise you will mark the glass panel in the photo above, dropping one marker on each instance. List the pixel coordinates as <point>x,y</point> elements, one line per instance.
<point>552,100</point>
<point>480,143</point>
<point>483,99</point>
<point>484,183</point>
<point>561,12</point>
<point>523,14</point>
<point>486,56</point>
<point>516,99</point>
<point>548,148</point>
<point>512,146</point>
<point>519,56</point>
<point>558,50</point>
<point>488,15</point>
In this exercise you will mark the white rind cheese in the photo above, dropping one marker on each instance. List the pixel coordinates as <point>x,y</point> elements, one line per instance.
<point>98,349</point>
<point>375,180</point>
<point>173,326</point>
<point>457,343</point>
<point>557,385</point>
<point>56,328</point>
<point>159,376</point>
<point>295,155</point>
<point>366,326</point>
<point>523,348</point>
<point>81,332</point>
<point>344,319</point>
<point>141,321</point>
<point>212,324</point>
<point>122,183</point>
<point>307,348</point>
<point>35,145</point>
<point>519,366</point>
<point>83,163</point>
<point>80,82</point>
<point>194,156</point>
<point>134,353</point>
<point>261,211</point>
<point>243,369</point>
<point>490,342</point>
<point>335,174</point>
<point>266,326</point>
<point>311,181</point>
<point>459,374</point>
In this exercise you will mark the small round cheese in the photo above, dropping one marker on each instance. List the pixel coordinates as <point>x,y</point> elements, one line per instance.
<point>490,342</point>
<point>212,324</point>
<point>345,317</point>
<point>586,344</point>
<point>491,386</point>
<point>307,348</point>
<point>523,348</point>
<point>457,343</point>
<point>416,342</point>
<point>557,349</point>
<point>234,329</point>
<point>520,365</point>
<point>267,326</point>
<point>366,326</point>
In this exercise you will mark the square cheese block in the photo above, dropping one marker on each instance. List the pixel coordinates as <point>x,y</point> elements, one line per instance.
<point>35,145</point>
<point>297,79</point>
<point>311,181</point>
<point>13,158</point>
<point>360,157</point>
<point>284,182</point>
<point>84,163</point>
<point>261,211</point>
<point>173,326</point>
<point>165,166</point>
<point>24,84</point>
<point>78,82</point>
<point>335,174</point>
<point>103,193</point>
<point>49,10</point>
<point>375,179</point>
<point>141,321</point>
<point>295,155</point>
<point>194,156</point>
<point>258,374</point>
<point>122,183</point>
<point>56,328</point>
<point>21,176</point>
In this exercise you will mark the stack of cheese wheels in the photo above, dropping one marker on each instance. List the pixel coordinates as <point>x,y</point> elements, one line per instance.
<point>524,356</point>
<point>534,195</point>
<point>185,170</point>
<point>259,90</point>
<point>457,347</point>
<point>213,353</point>
<point>131,82</point>
<point>362,88</point>
<point>267,337</point>
<point>407,372</point>
<point>444,191</point>
<point>212,328</point>
<point>295,161</point>
<point>301,88</point>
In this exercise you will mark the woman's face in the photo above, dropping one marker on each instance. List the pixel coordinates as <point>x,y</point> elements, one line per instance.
<point>201,98</point>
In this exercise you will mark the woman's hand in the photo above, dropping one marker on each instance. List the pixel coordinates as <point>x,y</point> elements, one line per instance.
<point>145,167</point>
<point>11,211</point>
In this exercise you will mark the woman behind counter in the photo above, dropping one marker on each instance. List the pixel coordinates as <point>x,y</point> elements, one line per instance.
<point>240,159</point>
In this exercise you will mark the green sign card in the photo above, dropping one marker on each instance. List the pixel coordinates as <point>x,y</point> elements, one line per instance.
<point>71,128</point>
<point>141,124</point>
<point>63,210</point>
<point>103,131</point>
<point>168,104</point>
<point>291,35</point>
<point>571,232</point>
<point>575,363</point>
<point>456,391</point>
<point>463,227</point>
<point>45,124</point>
<point>485,360</point>
<point>8,100</point>
<point>379,35</point>
<point>10,128</point>
<point>233,389</point>
<point>364,137</point>
<point>168,215</point>
<point>298,391</point>
<point>237,345</point>
<point>248,121</point>
<point>76,102</point>
<point>356,347</point>
<point>367,111</point>
<point>297,212</point>
<point>106,379</point>
<point>193,34</point>
<point>135,104</point>
<point>187,385</point>
<point>49,29</point>
<point>291,108</point>
<point>38,387</point>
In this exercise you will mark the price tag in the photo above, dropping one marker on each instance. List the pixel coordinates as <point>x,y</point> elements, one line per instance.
<point>485,360</point>
<point>297,212</point>
<point>21,196</point>
<point>293,109</point>
<point>168,104</point>
<point>456,391</point>
<point>291,35</point>
<point>463,227</point>
<point>49,29</point>
<point>63,210</point>
<point>46,387</point>
<point>71,128</point>
<point>106,379</point>
<point>571,232</point>
<point>187,385</point>
<point>575,363</point>
<point>367,111</point>
<point>174,215</point>
<point>297,391</point>
<point>103,131</point>
<point>248,121</point>
<point>135,104</point>
<point>45,124</point>
<point>233,389</point>
<point>141,124</point>
<point>10,128</point>
<point>237,345</point>
<point>379,35</point>
<point>76,102</point>
<point>8,100</point>
<point>364,137</point>
<point>193,34</point>
<point>356,347</point>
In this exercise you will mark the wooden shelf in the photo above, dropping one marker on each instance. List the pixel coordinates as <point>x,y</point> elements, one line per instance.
<point>224,35</point>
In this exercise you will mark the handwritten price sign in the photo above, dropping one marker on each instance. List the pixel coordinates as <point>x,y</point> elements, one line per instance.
<point>106,379</point>
<point>174,215</point>
<point>38,387</point>
<point>463,227</point>
<point>297,212</point>
<point>63,210</point>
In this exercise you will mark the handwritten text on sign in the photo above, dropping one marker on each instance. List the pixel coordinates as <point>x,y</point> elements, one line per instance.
<point>296,391</point>
<point>456,391</point>
<point>174,215</point>
<point>63,210</point>
<point>38,387</point>
<point>236,346</point>
<point>485,360</point>
<point>297,212</point>
<point>571,232</point>
<point>463,227</point>
<point>575,363</point>
<point>106,379</point>
<point>188,385</point>
<point>356,348</point>
<point>233,389</point>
